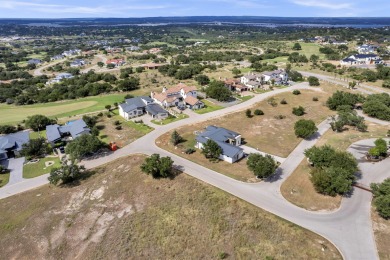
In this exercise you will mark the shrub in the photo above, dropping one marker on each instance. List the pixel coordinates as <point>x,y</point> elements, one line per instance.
<point>296,92</point>
<point>117,122</point>
<point>305,128</point>
<point>315,98</point>
<point>118,127</point>
<point>190,151</point>
<point>258,112</point>
<point>283,102</point>
<point>248,113</point>
<point>382,198</point>
<point>262,166</point>
<point>313,81</point>
<point>298,111</point>
<point>280,117</point>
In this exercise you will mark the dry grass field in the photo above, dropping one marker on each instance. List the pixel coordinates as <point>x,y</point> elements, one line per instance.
<point>382,234</point>
<point>298,188</point>
<point>120,213</point>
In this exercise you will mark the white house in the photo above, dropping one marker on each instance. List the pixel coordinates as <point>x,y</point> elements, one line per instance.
<point>229,142</point>
<point>77,63</point>
<point>60,77</point>
<point>359,59</point>
<point>366,48</point>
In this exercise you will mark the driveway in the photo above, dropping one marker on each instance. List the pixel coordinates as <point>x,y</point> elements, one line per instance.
<point>15,165</point>
<point>249,150</point>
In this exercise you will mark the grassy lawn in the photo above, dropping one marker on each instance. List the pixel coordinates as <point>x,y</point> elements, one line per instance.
<point>169,120</point>
<point>14,114</point>
<point>298,188</point>
<point>107,216</point>
<point>130,131</point>
<point>4,178</point>
<point>209,107</point>
<point>245,98</point>
<point>33,170</point>
<point>36,135</point>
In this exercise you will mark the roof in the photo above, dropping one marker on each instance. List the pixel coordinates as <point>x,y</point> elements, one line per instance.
<point>155,109</point>
<point>160,96</point>
<point>253,83</point>
<point>74,128</point>
<point>134,103</point>
<point>191,100</point>
<point>363,56</point>
<point>52,133</point>
<point>348,60</point>
<point>250,77</point>
<point>14,141</point>
<point>218,133</point>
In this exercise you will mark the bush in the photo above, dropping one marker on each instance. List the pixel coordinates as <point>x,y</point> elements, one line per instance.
<point>261,166</point>
<point>118,127</point>
<point>158,166</point>
<point>190,151</point>
<point>258,112</point>
<point>296,92</point>
<point>117,122</point>
<point>248,113</point>
<point>315,98</point>
<point>280,117</point>
<point>298,111</point>
<point>283,102</point>
<point>382,198</point>
<point>305,128</point>
<point>313,81</point>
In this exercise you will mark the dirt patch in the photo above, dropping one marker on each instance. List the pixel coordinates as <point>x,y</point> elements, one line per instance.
<point>382,234</point>
<point>133,216</point>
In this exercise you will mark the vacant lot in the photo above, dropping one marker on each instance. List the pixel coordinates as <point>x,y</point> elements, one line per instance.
<point>120,213</point>
<point>129,131</point>
<point>382,234</point>
<point>298,188</point>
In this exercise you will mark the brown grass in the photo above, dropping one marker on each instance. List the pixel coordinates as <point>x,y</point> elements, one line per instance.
<point>298,188</point>
<point>382,234</point>
<point>120,213</point>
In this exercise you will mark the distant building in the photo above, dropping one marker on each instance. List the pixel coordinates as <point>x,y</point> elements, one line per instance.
<point>116,62</point>
<point>71,52</point>
<point>57,57</point>
<point>361,59</point>
<point>60,77</point>
<point>229,142</point>
<point>12,144</point>
<point>73,129</point>
<point>366,49</point>
<point>34,61</point>
<point>133,48</point>
<point>77,63</point>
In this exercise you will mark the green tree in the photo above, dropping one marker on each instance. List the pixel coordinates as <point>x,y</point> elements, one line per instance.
<point>332,181</point>
<point>108,107</point>
<point>313,81</point>
<point>297,46</point>
<point>67,173</point>
<point>100,64</point>
<point>261,166</point>
<point>305,128</point>
<point>211,150</point>
<point>248,113</point>
<point>314,58</point>
<point>258,112</point>
<point>382,198</point>
<point>298,111</point>
<point>176,138</point>
<point>218,91</point>
<point>82,146</point>
<point>340,98</point>
<point>202,79</point>
<point>90,120</point>
<point>39,122</point>
<point>35,148</point>
<point>158,166</point>
<point>236,71</point>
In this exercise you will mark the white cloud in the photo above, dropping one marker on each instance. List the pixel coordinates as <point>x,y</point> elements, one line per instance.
<point>243,3</point>
<point>323,4</point>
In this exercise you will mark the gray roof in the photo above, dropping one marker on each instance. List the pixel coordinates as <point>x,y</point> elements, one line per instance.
<point>134,103</point>
<point>155,109</point>
<point>74,128</point>
<point>14,141</point>
<point>220,135</point>
<point>363,56</point>
<point>34,61</point>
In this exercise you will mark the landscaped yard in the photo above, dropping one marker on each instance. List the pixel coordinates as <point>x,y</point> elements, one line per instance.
<point>298,188</point>
<point>36,135</point>
<point>32,170</point>
<point>209,107</point>
<point>4,178</point>
<point>129,131</point>
<point>169,120</point>
<point>122,213</point>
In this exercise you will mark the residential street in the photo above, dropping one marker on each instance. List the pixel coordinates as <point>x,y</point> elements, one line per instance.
<point>349,227</point>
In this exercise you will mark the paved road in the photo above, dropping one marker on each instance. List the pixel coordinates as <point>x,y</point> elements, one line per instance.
<point>349,228</point>
<point>15,165</point>
<point>38,71</point>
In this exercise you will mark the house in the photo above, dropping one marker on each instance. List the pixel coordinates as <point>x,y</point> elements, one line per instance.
<point>152,66</point>
<point>134,107</point>
<point>229,142</point>
<point>178,96</point>
<point>156,112</point>
<point>235,85</point>
<point>60,77</point>
<point>278,77</point>
<point>361,59</point>
<point>12,144</point>
<point>77,63</point>
<point>71,52</point>
<point>34,61</point>
<point>57,57</point>
<point>73,129</point>
<point>133,48</point>
<point>116,62</point>
<point>366,48</point>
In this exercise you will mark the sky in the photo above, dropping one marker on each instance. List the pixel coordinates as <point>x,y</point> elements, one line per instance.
<point>155,8</point>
